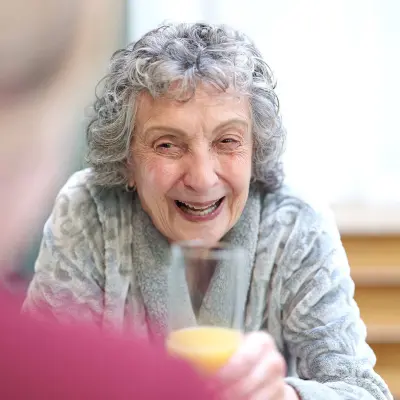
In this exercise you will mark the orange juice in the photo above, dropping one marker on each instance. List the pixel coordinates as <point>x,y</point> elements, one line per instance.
<point>207,348</point>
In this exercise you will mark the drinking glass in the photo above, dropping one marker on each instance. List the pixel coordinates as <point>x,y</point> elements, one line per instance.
<point>206,302</point>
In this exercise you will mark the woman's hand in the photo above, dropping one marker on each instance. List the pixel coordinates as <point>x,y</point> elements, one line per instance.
<point>256,371</point>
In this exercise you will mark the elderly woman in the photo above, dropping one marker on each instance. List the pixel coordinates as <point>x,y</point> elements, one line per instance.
<point>185,144</point>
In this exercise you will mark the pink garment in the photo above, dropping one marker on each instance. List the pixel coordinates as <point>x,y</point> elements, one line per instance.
<point>45,361</point>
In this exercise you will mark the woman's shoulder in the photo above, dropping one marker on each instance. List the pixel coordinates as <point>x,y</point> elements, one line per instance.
<point>75,197</point>
<point>80,195</point>
<point>76,189</point>
<point>297,208</point>
<point>79,186</point>
<point>82,204</point>
<point>74,206</point>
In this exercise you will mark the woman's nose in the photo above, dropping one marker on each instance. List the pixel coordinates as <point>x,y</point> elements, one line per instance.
<point>201,172</point>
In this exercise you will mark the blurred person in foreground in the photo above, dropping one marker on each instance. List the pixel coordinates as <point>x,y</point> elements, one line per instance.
<point>186,143</point>
<point>44,360</point>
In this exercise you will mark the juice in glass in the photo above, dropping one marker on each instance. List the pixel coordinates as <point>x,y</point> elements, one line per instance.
<point>207,348</point>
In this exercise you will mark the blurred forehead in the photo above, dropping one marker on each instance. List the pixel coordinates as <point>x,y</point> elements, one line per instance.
<point>35,37</point>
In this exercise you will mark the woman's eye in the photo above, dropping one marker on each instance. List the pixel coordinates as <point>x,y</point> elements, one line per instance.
<point>165,145</point>
<point>168,148</point>
<point>229,143</point>
<point>229,140</point>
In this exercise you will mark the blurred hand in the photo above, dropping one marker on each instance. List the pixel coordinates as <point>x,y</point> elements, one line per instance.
<point>256,371</point>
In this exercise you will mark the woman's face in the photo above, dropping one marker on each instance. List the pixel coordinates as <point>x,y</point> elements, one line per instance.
<point>192,162</point>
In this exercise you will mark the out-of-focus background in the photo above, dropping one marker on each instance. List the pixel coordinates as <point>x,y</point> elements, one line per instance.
<point>52,54</point>
<point>337,64</point>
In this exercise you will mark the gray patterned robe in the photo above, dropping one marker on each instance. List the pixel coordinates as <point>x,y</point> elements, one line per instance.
<point>102,256</point>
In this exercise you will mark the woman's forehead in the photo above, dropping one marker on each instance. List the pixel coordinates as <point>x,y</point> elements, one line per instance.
<point>205,103</point>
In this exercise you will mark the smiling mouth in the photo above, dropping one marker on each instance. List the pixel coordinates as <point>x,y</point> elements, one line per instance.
<point>197,210</point>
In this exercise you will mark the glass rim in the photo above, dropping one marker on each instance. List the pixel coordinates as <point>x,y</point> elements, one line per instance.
<point>189,248</point>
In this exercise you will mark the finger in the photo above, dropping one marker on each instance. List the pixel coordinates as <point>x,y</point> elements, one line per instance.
<point>269,371</point>
<point>254,347</point>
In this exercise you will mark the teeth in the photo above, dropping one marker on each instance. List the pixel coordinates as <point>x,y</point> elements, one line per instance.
<point>189,209</point>
<point>200,212</point>
<point>199,208</point>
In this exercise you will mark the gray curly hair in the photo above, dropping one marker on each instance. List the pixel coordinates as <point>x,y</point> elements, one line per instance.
<point>185,54</point>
